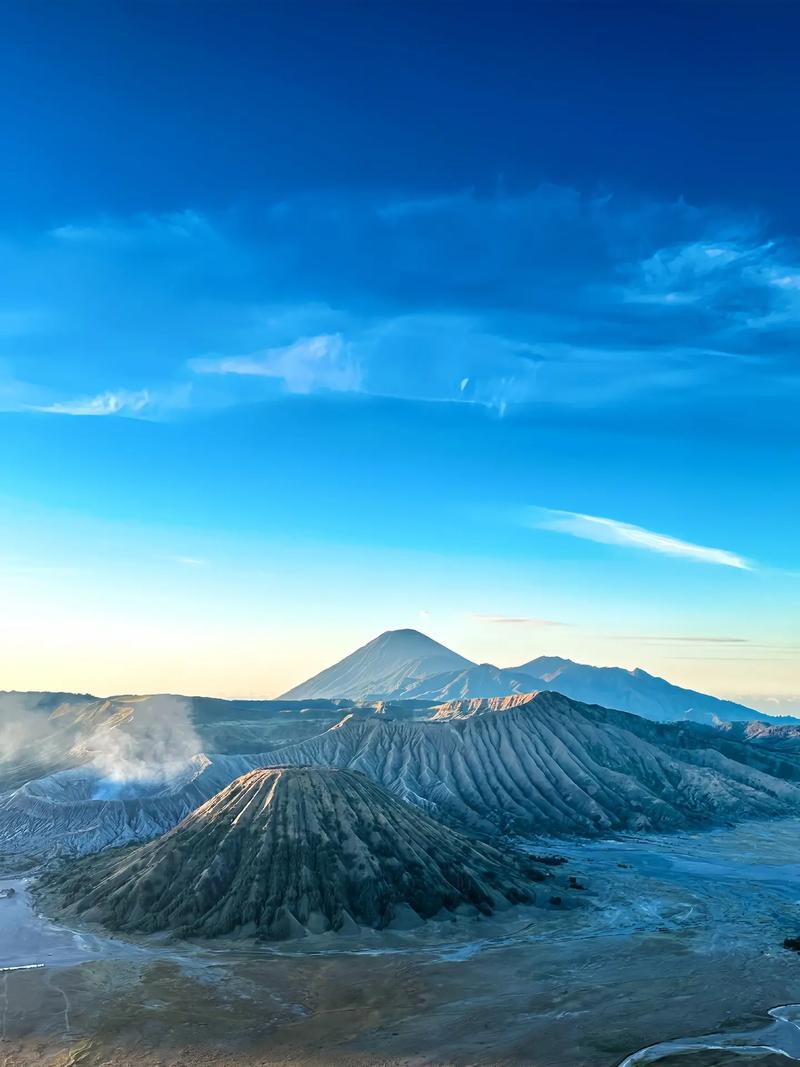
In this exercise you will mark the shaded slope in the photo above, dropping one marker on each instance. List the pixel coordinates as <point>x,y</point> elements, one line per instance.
<point>482,680</point>
<point>551,765</point>
<point>281,851</point>
<point>381,668</point>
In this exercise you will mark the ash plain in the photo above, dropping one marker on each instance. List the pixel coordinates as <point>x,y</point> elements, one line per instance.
<point>676,957</point>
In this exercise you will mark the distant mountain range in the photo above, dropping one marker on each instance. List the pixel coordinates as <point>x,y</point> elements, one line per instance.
<point>406,665</point>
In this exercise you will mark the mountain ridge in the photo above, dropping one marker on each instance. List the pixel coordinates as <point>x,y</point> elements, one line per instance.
<point>548,764</point>
<point>635,691</point>
<point>537,763</point>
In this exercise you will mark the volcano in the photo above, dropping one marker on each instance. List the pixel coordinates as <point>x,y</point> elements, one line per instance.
<point>282,852</point>
<point>384,667</point>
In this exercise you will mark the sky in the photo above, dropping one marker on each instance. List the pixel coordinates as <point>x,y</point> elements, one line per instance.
<point>318,320</point>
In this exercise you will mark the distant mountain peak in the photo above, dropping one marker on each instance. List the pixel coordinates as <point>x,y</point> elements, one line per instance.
<point>381,667</point>
<point>635,691</point>
<point>408,630</point>
<point>405,637</point>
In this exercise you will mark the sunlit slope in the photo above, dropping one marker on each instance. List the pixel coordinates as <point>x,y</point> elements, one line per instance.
<point>382,668</point>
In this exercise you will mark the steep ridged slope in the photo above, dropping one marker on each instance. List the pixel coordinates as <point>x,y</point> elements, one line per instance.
<point>539,763</point>
<point>281,851</point>
<point>551,765</point>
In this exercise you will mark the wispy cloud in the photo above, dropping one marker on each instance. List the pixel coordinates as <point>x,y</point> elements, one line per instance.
<point>783,704</point>
<point>109,403</point>
<point>307,365</point>
<point>614,532</point>
<point>549,297</point>
<point>516,620</point>
<point>734,645</point>
<point>680,639</point>
<point>142,229</point>
<point>189,561</point>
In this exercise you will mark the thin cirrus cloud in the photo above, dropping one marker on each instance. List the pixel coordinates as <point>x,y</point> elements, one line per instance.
<point>549,297</point>
<point>306,366</point>
<point>681,639</point>
<point>735,645</point>
<point>515,620</point>
<point>108,403</point>
<point>614,532</point>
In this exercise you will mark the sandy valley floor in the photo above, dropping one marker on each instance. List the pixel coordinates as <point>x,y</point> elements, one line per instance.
<point>680,936</point>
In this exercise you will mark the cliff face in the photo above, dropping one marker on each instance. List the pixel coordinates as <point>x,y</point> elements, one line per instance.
<point>279,852</point>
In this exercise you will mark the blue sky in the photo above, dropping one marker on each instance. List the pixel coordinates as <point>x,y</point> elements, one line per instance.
<point>318,320</point>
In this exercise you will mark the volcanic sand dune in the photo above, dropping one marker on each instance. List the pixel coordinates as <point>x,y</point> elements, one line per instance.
<point>282,851</point>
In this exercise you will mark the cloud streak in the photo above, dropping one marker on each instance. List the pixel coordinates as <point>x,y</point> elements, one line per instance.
<point>306,366</point>
<point>614,532</point>
<point>104,404</point>
<point>513,620</point>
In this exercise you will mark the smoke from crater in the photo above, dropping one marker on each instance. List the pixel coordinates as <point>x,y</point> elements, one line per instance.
<point>151,748</point>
